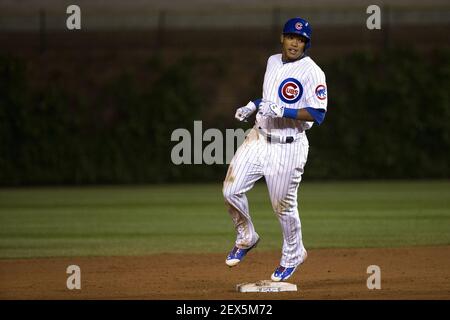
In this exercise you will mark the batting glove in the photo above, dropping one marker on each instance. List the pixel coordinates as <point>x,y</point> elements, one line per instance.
<point>243,113</point>
<point>270,109</point>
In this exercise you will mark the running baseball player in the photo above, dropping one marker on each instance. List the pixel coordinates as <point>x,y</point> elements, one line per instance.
<point>294,97</point>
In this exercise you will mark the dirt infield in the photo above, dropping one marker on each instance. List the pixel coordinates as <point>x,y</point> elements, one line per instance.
<point>406,273</point>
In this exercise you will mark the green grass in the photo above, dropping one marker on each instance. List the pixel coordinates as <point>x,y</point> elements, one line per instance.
<point>91,221</point>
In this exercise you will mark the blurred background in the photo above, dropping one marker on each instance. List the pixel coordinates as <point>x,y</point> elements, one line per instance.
<point>98,105</point>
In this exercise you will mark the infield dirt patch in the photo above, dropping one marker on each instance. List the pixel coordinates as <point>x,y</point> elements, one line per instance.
<point>406,273</point>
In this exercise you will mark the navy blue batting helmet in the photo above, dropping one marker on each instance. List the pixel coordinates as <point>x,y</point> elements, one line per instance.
<point>299,26</point>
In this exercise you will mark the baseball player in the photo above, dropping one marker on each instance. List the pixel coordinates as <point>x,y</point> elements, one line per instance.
<point>294,97</point>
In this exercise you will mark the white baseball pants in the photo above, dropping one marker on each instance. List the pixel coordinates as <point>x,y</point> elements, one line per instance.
<point>282,165</point>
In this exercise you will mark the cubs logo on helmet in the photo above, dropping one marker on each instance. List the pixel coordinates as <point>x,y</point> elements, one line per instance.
<point>321,92</point>
<point>290,91</point>
<point>298,26</point>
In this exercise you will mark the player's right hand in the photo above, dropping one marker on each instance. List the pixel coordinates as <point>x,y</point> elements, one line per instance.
<point>243,113</point>
<point>270,109</point>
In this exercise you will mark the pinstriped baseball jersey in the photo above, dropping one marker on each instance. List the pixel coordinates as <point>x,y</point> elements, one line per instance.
<point>295,85</point>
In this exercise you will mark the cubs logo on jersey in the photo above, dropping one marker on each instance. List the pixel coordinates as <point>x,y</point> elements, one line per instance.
<point>290,91</point>
<point>321,92</point>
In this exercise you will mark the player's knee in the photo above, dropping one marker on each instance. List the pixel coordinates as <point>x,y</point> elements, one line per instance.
<point>283,207</point>
<point>229,195</point>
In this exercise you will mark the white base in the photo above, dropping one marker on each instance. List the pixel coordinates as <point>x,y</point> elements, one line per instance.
<point>266,286</point>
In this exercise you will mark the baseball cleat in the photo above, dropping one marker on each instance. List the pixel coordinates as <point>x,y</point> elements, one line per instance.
<point>237,254</point>
<point>281,273</point>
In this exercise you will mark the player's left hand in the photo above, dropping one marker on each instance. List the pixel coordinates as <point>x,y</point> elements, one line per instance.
<point>270,109</point>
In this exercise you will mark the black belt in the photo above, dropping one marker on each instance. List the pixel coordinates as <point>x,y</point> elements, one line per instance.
<point>289,139</point>
<point>269,138</point>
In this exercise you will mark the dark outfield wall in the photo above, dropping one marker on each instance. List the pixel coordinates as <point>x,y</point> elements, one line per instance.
<point>106,116</point>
